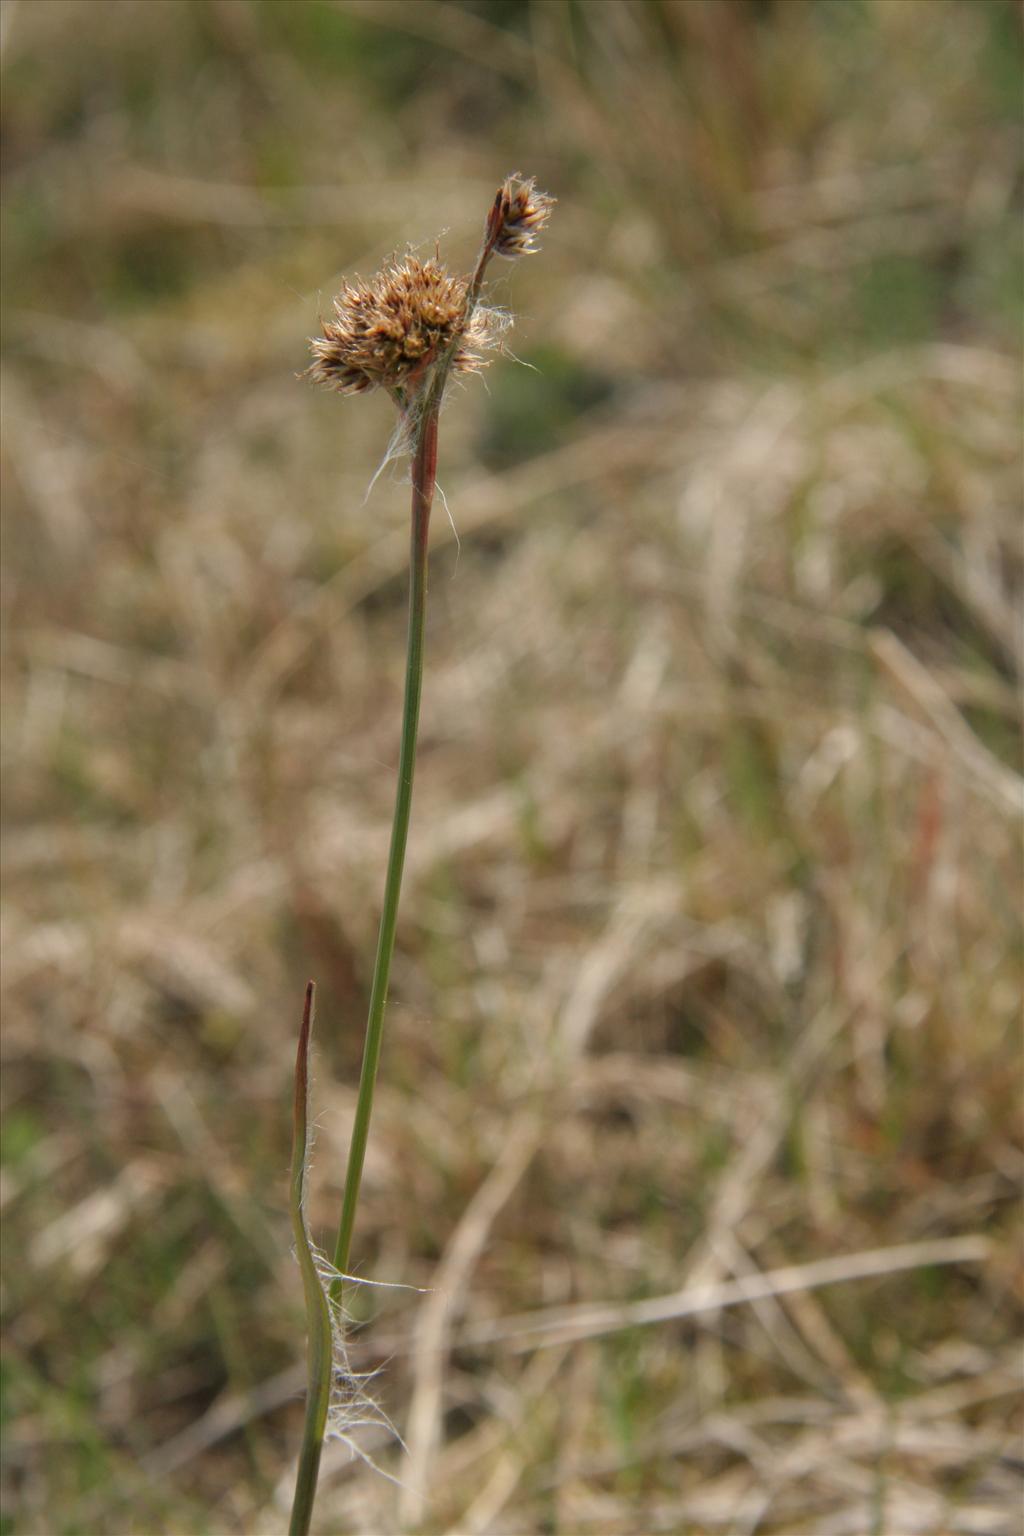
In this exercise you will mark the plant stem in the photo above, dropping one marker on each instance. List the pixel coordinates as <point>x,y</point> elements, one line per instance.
<point>421,416</point>
<point>424,469</point>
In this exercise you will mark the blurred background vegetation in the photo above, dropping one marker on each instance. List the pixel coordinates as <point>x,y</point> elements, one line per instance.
<point>709,961</point>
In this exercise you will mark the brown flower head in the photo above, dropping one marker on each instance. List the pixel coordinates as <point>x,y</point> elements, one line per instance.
<point>388,331</point>
<point>520,212</point>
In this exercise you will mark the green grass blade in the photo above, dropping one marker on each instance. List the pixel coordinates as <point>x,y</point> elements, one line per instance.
<point>319,1349</point>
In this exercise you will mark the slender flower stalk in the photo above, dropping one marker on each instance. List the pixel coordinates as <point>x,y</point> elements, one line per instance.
<point>407,331</point>
<point>424,469</point>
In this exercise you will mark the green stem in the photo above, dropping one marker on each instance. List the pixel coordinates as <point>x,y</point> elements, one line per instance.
<point>424,470</point>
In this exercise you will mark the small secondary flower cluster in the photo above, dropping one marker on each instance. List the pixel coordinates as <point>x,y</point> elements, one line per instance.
<point>388,331</point>
<point>520,213</point>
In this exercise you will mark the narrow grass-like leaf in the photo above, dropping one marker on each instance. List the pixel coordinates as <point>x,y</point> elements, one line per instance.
<point>319,1348</point>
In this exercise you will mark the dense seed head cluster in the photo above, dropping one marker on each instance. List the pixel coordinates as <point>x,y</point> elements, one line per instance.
<point>388,331</point>
<point>522,212</point>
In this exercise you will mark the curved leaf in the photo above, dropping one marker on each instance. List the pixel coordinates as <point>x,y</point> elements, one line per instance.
<point>319,1348</point>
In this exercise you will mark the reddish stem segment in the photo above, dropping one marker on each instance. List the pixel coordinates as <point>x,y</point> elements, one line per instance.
<point>424,477</point>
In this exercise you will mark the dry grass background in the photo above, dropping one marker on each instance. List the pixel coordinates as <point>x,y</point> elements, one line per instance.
<point>708,975</point>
